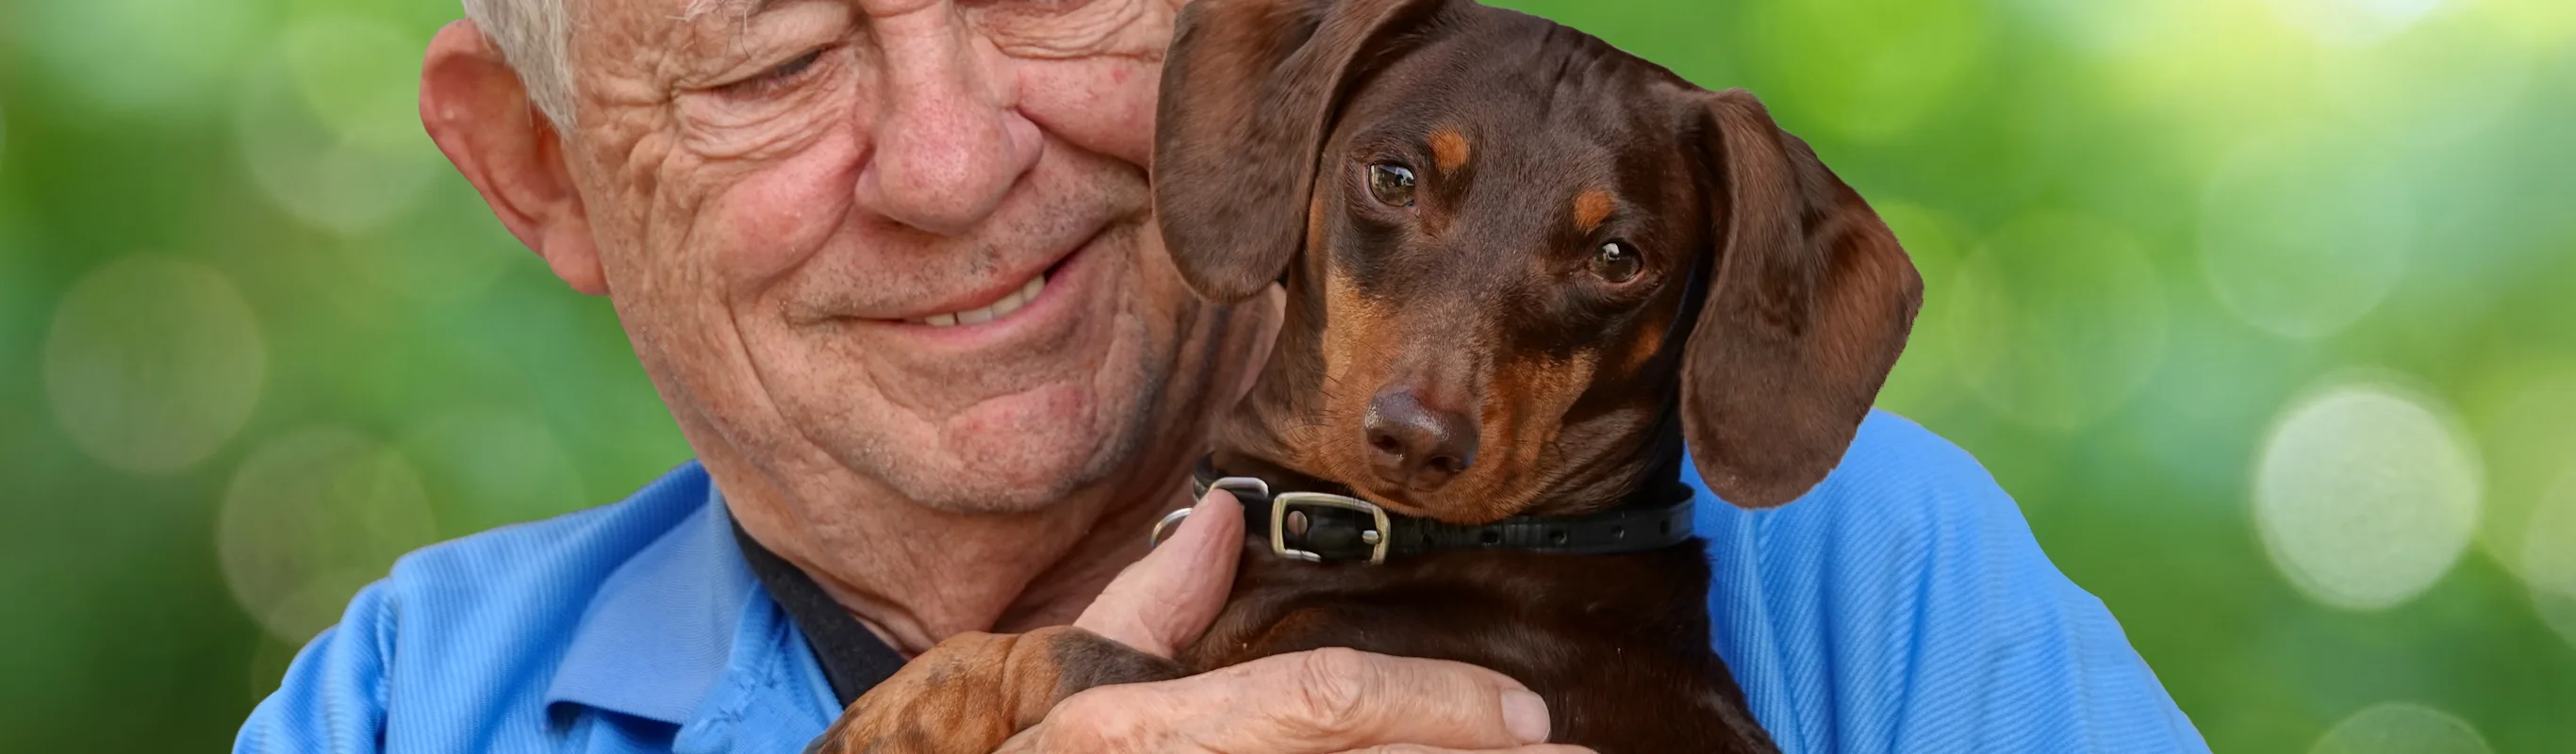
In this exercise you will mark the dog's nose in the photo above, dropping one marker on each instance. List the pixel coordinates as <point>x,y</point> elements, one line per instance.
<point>1415,447</point>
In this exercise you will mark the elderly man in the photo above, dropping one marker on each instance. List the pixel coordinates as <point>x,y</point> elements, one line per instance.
<point>891,265</point>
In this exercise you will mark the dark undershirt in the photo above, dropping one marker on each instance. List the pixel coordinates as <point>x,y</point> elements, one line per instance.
<point>853,658</point>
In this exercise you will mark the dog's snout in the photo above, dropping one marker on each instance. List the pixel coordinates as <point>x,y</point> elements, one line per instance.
<point>1413,446</point>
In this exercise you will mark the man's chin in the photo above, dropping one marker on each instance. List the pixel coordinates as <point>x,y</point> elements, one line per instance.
<point>1015,455</point>
<point>1031,479</point>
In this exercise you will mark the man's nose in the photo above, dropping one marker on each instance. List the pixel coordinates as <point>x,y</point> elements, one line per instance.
<point>1414,446</point>
<point>949,138</point>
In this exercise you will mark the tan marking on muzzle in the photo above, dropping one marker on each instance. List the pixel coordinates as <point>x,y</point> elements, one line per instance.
<point>1358,345</point>
<point>1647,343</point>
<point>1523,413</point>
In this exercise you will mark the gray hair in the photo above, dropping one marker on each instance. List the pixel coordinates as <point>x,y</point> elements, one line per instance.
<point>535,36</point>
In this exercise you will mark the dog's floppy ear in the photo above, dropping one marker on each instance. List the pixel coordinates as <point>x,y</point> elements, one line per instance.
<point>1250,88</point>
<point>1808,303</point>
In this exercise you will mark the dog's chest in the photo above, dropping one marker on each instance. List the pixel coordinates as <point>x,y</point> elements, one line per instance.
<point>1617,645</point>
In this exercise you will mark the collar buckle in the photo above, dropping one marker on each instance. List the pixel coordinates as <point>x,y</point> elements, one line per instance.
<point>1376,536</point>
<point>1243,487</point>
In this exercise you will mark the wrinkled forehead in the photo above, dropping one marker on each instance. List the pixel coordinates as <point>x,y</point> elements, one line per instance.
<point>717,14</point>
<point>632,21</point>
<point>654,33</point>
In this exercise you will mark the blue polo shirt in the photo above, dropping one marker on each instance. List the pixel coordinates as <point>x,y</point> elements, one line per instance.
<point>1901,606</point>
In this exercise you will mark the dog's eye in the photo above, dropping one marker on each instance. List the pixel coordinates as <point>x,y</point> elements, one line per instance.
<point>1616,263</point>
<point>1391,183</point>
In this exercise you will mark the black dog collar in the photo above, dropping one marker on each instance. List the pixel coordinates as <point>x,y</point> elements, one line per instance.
<point>1323,527</point>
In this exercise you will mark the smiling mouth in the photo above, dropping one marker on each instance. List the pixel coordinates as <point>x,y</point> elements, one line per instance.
<point>1010,302</point>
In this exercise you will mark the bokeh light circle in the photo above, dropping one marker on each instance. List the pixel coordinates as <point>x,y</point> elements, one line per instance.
<point>329,126</point>
<point>489,468</point>
<point>153,362</point>
<point>1869,69</point>
<point>2523,408</point>
<point>2365,493</point>
<point>2058,321</point>
<point>2401,728</point>
<point>2353,22</point>
<point>2302,235</point>
<point>310,518</point>
<point>2549,558</point>
<point>136,54</point>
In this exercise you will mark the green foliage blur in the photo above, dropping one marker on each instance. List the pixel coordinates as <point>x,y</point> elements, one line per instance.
<point>2265,310</point>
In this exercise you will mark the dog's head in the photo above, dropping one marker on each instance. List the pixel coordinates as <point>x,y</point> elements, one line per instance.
<point>1511,250</point>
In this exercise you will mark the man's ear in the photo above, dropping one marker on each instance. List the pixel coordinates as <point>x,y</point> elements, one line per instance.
<point>478,112</point>
<point>1809,303</point>
<point>1249,93</point>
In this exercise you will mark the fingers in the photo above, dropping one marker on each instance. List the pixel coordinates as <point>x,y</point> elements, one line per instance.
<point>1163,602</point>
<point>1338,699</point>
<point>1317,702</point>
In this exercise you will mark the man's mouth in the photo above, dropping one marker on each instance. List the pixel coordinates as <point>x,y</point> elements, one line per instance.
<point>1010,302</point>
<point>1005,304</point>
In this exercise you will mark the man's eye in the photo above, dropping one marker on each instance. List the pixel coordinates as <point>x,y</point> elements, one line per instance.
<point>776,77</point>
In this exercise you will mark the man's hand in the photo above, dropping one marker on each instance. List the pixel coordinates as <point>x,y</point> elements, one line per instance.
<point>1323,701</point>
<point>1100,685</point>
<point>1318,702</point>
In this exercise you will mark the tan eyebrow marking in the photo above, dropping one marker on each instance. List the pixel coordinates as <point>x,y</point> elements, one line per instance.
<point>1449,149</point>
<point>1590,208</point>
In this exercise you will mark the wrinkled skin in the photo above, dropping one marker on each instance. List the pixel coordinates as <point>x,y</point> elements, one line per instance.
<point>768,193</point>
<point>767,197</point>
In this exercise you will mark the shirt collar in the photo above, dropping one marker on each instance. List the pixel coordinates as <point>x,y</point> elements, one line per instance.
<point>659,634</point>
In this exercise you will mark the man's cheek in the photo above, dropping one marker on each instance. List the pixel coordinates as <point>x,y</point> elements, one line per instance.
<point>1099,104</point>
<point>1082,28</point>
<point>772,217</point>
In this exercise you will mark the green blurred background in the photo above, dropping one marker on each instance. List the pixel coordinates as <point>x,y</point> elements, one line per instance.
<point>2265,310</point>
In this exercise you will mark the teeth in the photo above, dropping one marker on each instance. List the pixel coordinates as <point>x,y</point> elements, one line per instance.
<point>997,310</point>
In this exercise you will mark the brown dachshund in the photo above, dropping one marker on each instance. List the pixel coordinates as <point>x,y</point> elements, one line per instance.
<point>1523,268</point>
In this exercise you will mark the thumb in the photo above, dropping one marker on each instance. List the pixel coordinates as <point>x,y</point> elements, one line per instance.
<point>1163,602</point>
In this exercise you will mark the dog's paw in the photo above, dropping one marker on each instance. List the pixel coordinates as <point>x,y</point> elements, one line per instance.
<point>974,691</point>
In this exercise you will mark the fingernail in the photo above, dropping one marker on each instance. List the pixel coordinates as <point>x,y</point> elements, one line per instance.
<point>1525,716</point>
